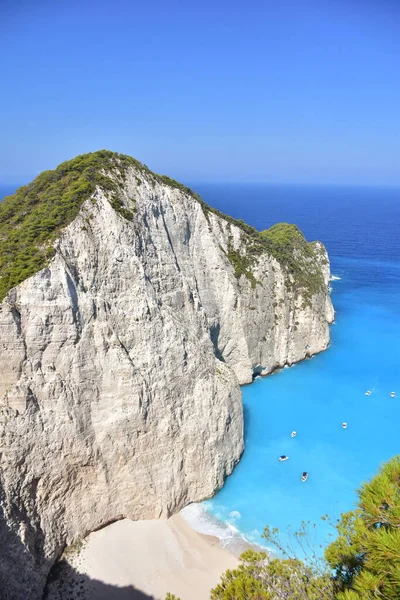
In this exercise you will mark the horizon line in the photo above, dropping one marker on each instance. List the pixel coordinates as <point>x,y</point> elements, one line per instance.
<point>191,182</point>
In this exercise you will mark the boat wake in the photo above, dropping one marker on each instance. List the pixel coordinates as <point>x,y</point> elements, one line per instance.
<point>335,278</point>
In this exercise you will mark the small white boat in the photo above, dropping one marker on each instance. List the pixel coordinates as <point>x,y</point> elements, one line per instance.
<point>293,434</point>
<point>304,477</point>
<point>344,425</point>
<point>283,458</point>
<point>368,393</point>
<point>393,394</point>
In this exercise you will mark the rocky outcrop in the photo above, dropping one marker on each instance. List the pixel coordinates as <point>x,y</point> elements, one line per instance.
<point>120,365</point>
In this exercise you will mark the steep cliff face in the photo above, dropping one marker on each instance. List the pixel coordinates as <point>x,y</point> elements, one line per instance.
<point>121,359</point>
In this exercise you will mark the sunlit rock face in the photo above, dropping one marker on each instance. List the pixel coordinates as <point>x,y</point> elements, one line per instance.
<point>120,366</point>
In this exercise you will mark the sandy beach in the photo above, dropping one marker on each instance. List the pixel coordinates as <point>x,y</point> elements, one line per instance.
<point>142,560</point>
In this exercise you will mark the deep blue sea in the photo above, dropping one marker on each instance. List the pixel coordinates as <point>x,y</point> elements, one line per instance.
<point>360,228</point>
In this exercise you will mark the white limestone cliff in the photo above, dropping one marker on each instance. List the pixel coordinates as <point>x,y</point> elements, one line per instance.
<point>120,366</point>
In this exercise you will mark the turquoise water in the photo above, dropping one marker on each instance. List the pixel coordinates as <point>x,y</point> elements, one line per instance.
<point>360,228</point>
<point>317,395</point>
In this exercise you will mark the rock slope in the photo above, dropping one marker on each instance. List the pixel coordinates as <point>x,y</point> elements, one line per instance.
<point>121,359</point>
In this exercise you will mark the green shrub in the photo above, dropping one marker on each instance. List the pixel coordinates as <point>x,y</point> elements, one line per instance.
<point>31,219</point>
<point>366,554</point>
<point>287,245</point>
<point>363,563</point>
<point>259,578</point>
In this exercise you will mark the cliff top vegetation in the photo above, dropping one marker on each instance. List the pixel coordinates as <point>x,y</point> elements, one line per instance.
<point>286,243</point>
<point>32,218</point>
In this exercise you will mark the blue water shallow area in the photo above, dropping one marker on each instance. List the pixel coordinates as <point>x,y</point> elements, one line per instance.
<point>316,396</point>
<point>360,227</point>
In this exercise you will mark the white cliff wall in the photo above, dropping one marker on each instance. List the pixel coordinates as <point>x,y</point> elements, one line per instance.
<point>119,371</point>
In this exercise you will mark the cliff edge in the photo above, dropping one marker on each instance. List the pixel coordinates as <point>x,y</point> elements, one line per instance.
<point>130,313</point>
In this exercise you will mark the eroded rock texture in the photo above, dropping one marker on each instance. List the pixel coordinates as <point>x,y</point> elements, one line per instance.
<point>120,367</point>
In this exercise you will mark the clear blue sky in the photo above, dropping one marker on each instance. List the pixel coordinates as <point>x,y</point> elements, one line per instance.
<point>285,90</point>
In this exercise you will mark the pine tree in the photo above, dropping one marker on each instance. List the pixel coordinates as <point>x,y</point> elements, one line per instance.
<point>363,563</point>
<point>366,554</point>
<point>260,578</point>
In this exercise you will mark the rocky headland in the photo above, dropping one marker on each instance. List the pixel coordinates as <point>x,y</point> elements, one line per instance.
<point>130,313</point>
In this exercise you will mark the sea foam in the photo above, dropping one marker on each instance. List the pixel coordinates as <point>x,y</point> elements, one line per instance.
<point>201,520</point>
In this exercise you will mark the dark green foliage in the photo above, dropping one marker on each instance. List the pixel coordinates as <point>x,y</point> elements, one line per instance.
<point>244,583</point>
<point>363,563</point>
<point>118,205</point>
<point>366,554</point>
<point>288,246</point>
<point>32,218</point>
<point>260,578</point>
<point>242,263</point>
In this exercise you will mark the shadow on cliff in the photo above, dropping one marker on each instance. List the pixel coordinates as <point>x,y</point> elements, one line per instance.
<point>66,583</point>
<point>247,418</point>
<point>22,577</point>
<point>23,569</point>
<point>23,573</point>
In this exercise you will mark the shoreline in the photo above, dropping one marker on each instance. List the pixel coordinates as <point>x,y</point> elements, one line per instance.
<point>143,560</point>
<point>229,536</point>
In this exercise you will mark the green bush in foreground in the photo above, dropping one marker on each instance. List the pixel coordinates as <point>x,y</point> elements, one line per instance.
<point>258,577</point>
<point>366,554</point>
<point>363,563</point>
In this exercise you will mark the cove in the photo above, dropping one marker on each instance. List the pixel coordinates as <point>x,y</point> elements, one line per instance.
<point>314,398</point>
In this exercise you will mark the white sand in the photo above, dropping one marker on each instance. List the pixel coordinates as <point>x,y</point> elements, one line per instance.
<point>155,557</point>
